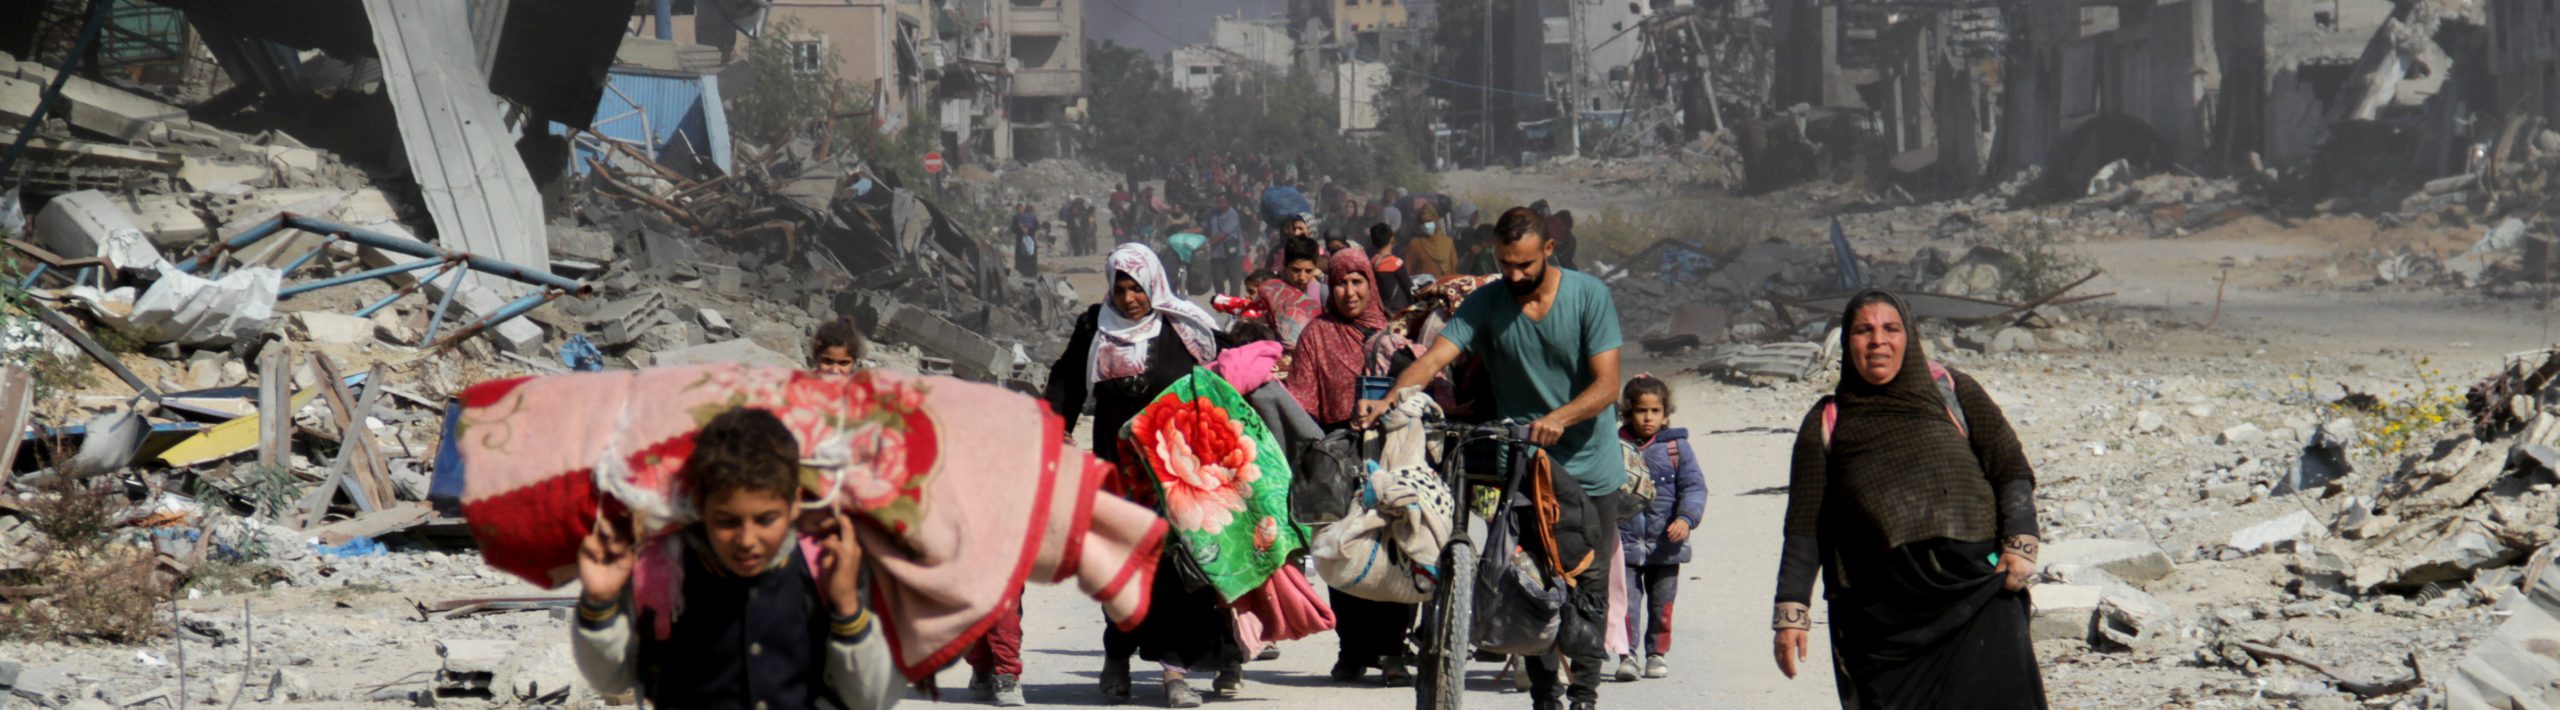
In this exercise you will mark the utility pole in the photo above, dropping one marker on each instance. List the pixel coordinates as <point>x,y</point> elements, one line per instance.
<point>1573,68</point>
<point>1484,93</point>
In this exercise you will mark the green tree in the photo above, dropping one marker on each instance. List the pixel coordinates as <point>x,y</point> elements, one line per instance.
<point>1284,116</point>
<point>1135,108</point>
<point>784,98</point>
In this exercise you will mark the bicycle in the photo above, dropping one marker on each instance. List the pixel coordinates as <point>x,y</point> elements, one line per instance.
<point>1447,620</point>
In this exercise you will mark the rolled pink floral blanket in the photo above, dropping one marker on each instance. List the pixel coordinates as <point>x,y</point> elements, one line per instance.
<point>966,490</point>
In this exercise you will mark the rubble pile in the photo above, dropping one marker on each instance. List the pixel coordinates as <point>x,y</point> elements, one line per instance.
<point>1763,311</point>
<point>2332,546</point>
<point>762,253</point>
<point>1052,181</point>
<point>234,356</point>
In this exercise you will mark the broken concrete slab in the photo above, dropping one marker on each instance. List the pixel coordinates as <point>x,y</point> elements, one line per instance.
<point>577,243</point>
<point>388,327</point>
<point>2063,611</point>
<point>332,328</point>
<point>2513,665</point>
<point>2457,548</point>
<point>2130,560</point>
<point>101,108</point>
<point>972,355</point>
<point>87,224</point>
<point>471,665</point>
<point>741,350</point>
<point>169,221</point>
<point>515,335</point>
<point>205,174</point>
<point>2133,619</point>
<point>2281,532</point>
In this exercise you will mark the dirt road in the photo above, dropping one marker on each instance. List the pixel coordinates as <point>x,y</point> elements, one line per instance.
<point>1720,641</point>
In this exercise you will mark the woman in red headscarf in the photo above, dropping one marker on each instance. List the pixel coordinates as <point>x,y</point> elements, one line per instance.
<point>1324,374</point>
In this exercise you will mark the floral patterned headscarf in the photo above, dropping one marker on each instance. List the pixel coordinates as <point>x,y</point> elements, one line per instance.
<point>1120,345</point>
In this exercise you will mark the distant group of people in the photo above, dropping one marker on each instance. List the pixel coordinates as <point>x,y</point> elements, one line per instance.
<point>1909,497</point>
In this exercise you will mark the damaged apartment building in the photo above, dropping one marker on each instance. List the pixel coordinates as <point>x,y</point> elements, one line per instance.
<point>1003,79</point>
<point>1976,91</point>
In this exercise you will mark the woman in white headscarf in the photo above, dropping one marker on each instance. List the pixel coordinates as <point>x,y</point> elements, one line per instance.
<point>1125,351</point>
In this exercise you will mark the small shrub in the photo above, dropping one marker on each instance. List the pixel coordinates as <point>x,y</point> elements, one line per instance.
<point>2040,266</point>
<point>71,514</point>
<point>108,594</point>
<point>2391,423</point>
<point>269,492</point>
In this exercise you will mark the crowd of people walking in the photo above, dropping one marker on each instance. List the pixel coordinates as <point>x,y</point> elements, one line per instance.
<point>1297,319</point>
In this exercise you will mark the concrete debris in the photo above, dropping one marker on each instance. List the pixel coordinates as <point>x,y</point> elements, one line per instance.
<point>332,328</point>
<point>1780,361</point>
<point>2241,435</point>
<point>2513,666</point>
<point>87,224</point>
<point>2279,534</point>
<point>2130,560</point>
<point>741,350</point>
<point>2064,611</point>
<point>2134,620</point>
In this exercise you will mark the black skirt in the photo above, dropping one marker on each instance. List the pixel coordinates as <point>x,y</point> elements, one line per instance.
<point>1185,627</point>
<point>1927,625</point>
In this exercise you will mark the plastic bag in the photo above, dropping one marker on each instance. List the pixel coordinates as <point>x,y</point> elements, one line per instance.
<point>1281,203</point>
<point>1518,608</point>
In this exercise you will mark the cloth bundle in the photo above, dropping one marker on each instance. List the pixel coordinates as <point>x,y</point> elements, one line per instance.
<point>964,490</point>
<point>1203,457</point>
<point>1389,550</point>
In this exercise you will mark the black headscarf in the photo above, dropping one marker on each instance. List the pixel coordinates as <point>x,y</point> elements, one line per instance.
<point>1911,393</point>
<point>1895,456</point>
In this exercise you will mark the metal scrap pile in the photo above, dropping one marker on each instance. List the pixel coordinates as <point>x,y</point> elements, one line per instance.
<point>1697,68</point>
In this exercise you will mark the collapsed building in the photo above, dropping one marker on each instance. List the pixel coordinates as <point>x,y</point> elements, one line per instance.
<point>298,229</point>
<point>1957,96</point>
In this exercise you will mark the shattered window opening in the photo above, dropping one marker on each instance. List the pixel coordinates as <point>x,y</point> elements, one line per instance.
<point>807,55</point>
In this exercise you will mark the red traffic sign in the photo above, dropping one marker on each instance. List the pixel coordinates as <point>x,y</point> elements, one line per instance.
<point>933,162</point>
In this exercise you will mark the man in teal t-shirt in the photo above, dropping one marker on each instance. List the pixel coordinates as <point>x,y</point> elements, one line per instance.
<point>1549,342</point>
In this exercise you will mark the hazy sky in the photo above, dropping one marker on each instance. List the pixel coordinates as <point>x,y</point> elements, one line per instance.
<point>1166,23</point>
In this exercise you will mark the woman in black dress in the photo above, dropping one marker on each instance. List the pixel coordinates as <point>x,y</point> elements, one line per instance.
<point>1125,351</point>
<point>1912,500</point>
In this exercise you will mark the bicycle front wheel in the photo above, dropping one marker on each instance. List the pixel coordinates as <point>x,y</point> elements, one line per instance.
<point>1445,668</point>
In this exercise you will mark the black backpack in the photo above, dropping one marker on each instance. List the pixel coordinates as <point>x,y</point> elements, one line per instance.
<point>1327,478</point>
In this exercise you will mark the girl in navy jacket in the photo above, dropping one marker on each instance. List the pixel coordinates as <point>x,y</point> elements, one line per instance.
<point>1657,538</point>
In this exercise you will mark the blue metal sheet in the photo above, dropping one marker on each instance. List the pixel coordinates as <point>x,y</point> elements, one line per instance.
<point>661,111</point>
